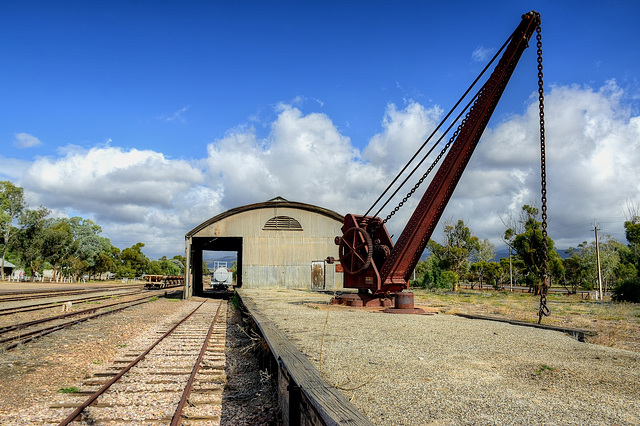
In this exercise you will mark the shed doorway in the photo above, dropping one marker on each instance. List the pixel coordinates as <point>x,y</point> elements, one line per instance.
<point>204,249</point>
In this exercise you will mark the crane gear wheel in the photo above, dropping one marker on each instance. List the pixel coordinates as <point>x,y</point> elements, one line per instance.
<point>355,251</point>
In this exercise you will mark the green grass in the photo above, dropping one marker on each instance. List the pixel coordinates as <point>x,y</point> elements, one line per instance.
<point>235,301</point>
<point>71,389</point>
<point>617,324</point>
<point>543,368</point>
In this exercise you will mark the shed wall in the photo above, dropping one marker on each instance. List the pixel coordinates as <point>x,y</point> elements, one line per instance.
<point>281,258</point>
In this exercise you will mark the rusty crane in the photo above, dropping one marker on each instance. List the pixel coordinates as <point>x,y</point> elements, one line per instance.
<point>372,263</point>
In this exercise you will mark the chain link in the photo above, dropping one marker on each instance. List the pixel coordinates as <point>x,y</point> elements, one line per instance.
<point>544,309</point>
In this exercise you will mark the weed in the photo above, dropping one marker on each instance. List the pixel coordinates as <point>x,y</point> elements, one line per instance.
<point>153,299</point>
<point>71,389</point>
<point>97,362</point>
<point>235,301</point>
<point>122,346</point>
<point>543,368</point>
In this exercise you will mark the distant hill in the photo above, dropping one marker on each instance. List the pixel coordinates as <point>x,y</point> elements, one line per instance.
<point>503,253</point>
<point>211,261</point>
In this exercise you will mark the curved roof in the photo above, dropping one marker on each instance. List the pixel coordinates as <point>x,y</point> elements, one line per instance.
<point>275,202</point>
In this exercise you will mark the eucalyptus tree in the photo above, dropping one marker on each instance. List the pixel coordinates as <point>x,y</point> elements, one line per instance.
<point>458,246</point>
<point>133,263</point>
<point>582,266</point>
<point>529,245</point>
<point>164,266</point>
<point>30,238</point>
<point>12,205</point>
<point>58,245</point>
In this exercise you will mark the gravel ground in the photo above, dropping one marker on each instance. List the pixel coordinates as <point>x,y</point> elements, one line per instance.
<point>32,374</point>
<point>443,369</point>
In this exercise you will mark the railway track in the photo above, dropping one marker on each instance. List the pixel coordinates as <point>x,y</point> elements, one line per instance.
<point>21,333</point>
<point>49,305</point>
<point>43,294</point>
<point>177,378</point>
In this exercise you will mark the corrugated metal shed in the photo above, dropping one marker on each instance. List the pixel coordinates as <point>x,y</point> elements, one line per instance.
<point>279,244</point>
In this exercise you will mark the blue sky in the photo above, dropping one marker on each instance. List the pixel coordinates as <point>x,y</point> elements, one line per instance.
<point>151,117</point>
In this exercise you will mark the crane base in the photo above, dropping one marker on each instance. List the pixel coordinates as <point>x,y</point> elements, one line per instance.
<point>404,305</point>
<point>417,311</point>
<point>402,302</point>
<point>362,300</point>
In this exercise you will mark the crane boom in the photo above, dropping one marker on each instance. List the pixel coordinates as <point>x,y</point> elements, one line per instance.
<point>369,257</point>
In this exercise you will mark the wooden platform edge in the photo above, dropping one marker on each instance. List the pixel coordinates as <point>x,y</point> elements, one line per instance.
<point>577,334</point>
<point>305,397</point>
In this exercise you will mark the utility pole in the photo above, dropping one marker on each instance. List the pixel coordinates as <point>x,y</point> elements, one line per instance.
<point>595,226</point>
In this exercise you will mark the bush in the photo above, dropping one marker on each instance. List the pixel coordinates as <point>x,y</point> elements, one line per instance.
<point>627,291</point>
<point>449,278</point>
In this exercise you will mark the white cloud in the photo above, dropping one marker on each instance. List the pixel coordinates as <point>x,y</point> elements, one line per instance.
<point>25,140</point>
<point>179,115</point>
<point>121,188</point>
<point>592,145</point>
<point>304,158</point>
<point>593,148</point>
<point>482,54</point>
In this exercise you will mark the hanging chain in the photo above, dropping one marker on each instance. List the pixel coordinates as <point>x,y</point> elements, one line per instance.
<point>544,309</point>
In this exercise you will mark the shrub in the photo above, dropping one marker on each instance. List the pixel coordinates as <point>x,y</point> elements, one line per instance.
<point>627,291</point>
<point>449,278</point>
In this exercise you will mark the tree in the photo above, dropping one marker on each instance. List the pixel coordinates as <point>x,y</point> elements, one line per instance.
<point>632,233</point>
<point>429,273</point>
<point>457,248</point>
<point>575,269</point>
<point>627,291</point>
<point>57,244</point>
<point>179,261</point>
<point>133,263</point>
<point>163,266</point>
<point>31,237</point>
<point>477,271</point>
<point>495,274</point>
<point>529,246</point>
<point>91,248</point>
<point>12,204</point>
<point>581,268</point>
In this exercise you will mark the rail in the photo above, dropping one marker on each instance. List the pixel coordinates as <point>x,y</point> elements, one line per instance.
<point>21,336</point>
<point>160,361</point>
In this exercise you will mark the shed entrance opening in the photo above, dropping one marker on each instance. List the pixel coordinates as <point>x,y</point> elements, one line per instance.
<point>204,252</point>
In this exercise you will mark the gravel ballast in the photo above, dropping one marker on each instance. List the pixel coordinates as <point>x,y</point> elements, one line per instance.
<point>33,373</point>
<point>444,369</point>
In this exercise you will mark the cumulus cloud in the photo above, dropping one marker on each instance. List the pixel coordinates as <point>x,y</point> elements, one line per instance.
<point>124,191</point>
<point>304,158</point>
<point>25,140</point>
<point>593,141</point>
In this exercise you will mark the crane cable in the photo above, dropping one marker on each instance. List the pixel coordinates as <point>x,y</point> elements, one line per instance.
<point>464,95</point>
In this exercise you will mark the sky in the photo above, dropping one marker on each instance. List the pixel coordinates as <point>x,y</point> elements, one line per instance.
<point>150,117</point>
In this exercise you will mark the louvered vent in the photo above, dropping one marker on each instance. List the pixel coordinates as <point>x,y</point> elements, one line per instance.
<point>282,223</point>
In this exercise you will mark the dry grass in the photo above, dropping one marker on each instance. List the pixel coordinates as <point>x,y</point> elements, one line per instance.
<point>617,324</point>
